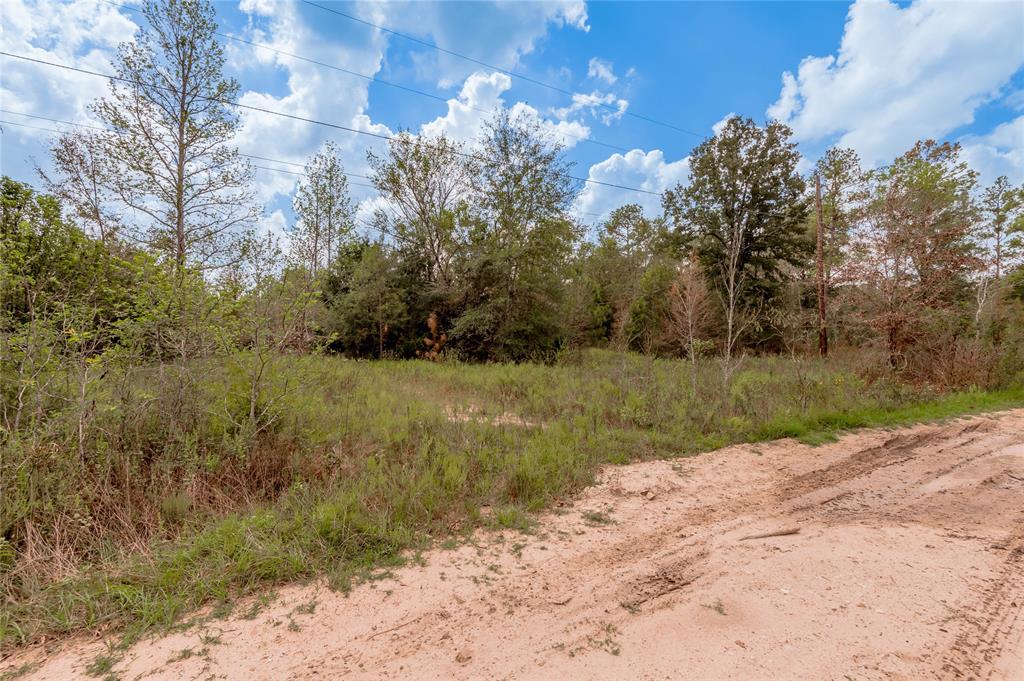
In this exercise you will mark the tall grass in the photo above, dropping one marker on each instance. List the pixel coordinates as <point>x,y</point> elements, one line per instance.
<point>172,497</point>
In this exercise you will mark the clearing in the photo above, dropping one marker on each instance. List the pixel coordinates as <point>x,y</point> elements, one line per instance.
<point>907,563</point>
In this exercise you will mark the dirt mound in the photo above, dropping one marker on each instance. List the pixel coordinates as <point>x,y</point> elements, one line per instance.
<point>887,555</point>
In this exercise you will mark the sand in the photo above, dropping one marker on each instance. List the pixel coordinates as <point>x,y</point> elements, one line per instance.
<point>889,555</point>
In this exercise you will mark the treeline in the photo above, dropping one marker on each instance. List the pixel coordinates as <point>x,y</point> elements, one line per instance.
<point>142,242</point>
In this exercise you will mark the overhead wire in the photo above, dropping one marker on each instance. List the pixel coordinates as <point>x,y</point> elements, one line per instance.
<point>250,156</point>
<point>511,74</point>
<point>271,112</point>
<point>372,79</point>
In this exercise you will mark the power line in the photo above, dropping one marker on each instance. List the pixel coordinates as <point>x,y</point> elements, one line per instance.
<point>511,74</point>
<point>252,156</point>
<point>282,114</point>
<point>372,79</point>
<point>102,129</point>
<point>259,167</point>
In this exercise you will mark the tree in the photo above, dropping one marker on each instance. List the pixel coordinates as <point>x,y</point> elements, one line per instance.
<point>425,182</point>
<point>520,240</point>
<point>842,180</point>
<point>744,209</point>
<point>83,182</point>
<point>171,125</point>
<point>324,209</point>
<point>689,305</point>
<point>1003,207</point>
<point>627,245</point>
<point>913,249</point>
<point>838,172</point>
<point>62,298</point>
<point>370,306</point>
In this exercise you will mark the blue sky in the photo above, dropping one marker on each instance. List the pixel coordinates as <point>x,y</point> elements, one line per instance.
<point>872,75</point>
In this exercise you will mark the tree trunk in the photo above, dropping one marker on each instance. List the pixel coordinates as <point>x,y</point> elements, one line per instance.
<point>820,257</point>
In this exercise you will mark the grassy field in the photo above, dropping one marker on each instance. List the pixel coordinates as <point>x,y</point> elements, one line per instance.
<point>168,497</point>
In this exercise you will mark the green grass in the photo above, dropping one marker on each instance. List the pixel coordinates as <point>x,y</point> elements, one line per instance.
<point>358,462</point>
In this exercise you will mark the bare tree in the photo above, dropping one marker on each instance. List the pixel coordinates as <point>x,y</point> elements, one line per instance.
<point>689,312</point>
<point>171,124</point>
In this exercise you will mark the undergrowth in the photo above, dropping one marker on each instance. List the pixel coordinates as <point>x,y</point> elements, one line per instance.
<point>168,498</point>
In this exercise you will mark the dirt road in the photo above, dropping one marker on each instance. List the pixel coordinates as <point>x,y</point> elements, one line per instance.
<point>907,562</point>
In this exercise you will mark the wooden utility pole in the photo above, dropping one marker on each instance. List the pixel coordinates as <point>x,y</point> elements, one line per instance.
<point>820,255</point>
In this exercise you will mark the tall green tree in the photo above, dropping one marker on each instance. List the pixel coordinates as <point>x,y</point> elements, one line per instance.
<point>628,244</point>
<point>169,154</point>
<point>368,302</point>
<point>744,210</point>
<point>1002,207</point>
<point>324,209</point>
<point>520,241</point>
<point>913,251</point>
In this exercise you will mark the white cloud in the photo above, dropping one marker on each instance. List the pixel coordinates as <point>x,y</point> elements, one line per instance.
<point>276,224</point>
<point>649,171</point>
<point>601,70</point>
<point>502,32</point>
<point>480,98</point>
<point>718,127</point>
<point>312,92</point>
<point>1001,152</point>
<point>597,104</point>
<point>903,73</point>
<point>84,34</point>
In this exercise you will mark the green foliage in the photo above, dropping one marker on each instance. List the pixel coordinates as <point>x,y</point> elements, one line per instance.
<point>363,460</point>
<point>744,209</point>
<point>519,241</point>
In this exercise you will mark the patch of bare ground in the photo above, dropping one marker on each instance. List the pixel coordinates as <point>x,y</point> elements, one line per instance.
<point>886,555</point>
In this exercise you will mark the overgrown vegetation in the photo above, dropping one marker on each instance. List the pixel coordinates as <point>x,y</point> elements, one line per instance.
<point>188,412</point>
<point>175,505</point>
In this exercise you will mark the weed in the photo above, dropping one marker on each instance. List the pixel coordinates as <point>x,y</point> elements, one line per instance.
<point>605,641</point>
<point>597,518</point>
<point>343,492</point>
<point>717,606</point>
<point>12,674</point>
<point>101,665</point>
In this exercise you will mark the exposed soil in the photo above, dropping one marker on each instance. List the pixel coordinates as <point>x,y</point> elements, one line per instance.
<point>887,555</point>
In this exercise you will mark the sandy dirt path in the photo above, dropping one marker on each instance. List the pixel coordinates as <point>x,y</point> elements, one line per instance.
<point>907,563</point>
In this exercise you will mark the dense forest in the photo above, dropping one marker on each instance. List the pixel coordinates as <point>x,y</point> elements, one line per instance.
<point>156,352</point>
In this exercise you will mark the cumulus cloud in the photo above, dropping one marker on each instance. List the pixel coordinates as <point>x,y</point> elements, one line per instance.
<point>311,92</point>
<point>605,106</point>
<point>1001,152</point>
<point>503,32</point>
<point>601,70</point>
<point>480,98</point>
<point>718,127</point>
<point>84,34</point>
<point>644,170</point>
<point>903,73</point>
